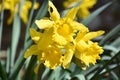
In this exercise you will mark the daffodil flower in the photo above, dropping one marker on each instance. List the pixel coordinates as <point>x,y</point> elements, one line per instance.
<point>63,28</point>
<point>84,6</point>
<point>85,51</point>
<point>11,6</point>
<point>63,41</point>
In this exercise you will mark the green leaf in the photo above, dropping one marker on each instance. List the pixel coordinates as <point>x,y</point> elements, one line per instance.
<point>19,63</point>
<point>95,13</point>
<point>96,75</point>
<point>112,33</point>
<point>29,21</point>
<point>110,47</point>
<point>15,37</point>
<point>56,74</point>
<point>116,43</point>
<point>114,75</point>
<point>8,61</point>
<point>1,22</point>
<point>2,72</point>
<point>79,77</point>
<point>47,70</point>
<point>41,13</point>
<point>30,69</point>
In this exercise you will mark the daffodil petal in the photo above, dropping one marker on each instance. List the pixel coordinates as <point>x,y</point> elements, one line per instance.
<point>80,35</point>
<point>52,57</point>
<point>37,68</point>
<point>68,57</point>
<point>92,35</point>
<point>43,24</point>
<point>53,11</point>
<point>46,39</point>
<point>72,13</point>
<point>35,35</point>
<point>59,39</point>
<point>33,50</point>
<point>79,26</point>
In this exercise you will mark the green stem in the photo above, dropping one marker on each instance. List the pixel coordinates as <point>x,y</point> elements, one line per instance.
<point>2,73</point>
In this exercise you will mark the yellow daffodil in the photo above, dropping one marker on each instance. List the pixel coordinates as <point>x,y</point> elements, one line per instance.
<point>63,40</point>
<point>46,52</point>
<point>63,28</point>
<point>25,10</point>
<point>11,6</point>
<point>84,6</point>
<point>86,51</point>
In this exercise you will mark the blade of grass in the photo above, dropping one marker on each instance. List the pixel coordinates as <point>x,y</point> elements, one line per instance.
<point>95,13</point>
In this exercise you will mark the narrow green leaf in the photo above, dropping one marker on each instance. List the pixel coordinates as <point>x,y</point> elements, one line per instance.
<point>79,77</point>
<point>15,37</point>
<point>41,13</point>
<point>41,71</point>
<point>19,63</point>
<point>116,67</point>
<point>1,21</point>
<point>110,47</point>
<point>47,70</point>
<point>29,21</point>
<point>113,32</point>
<point>30,69</point>
<point>8,61</point>
<point>54,74</point>
<point>115,77</point>
<point>94,77</point>
<point>95,13</point>
<point>2,72</point>
<point>116,43</point>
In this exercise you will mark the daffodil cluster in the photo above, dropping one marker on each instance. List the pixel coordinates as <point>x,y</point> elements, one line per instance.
<point>84,6</point>
<point>12,6</point>
<point>63,41</point>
